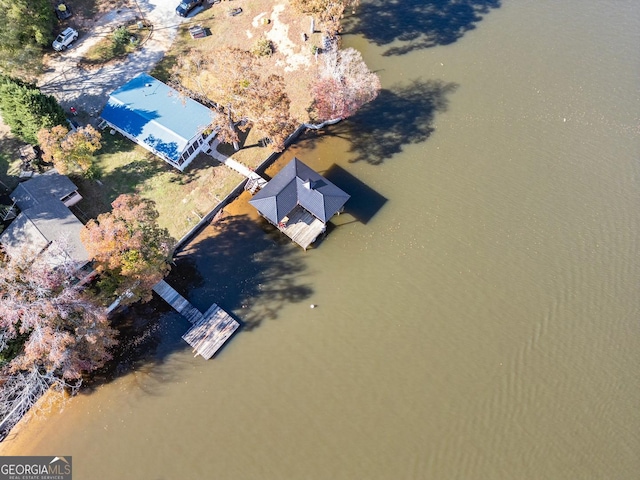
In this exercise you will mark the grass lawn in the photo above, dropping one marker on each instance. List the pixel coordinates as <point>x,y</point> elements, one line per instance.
<point>293,58</point>
<point>118,45</point>
<point>181,198</point>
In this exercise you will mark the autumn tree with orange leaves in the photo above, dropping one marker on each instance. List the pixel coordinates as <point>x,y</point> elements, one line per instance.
<point>131,252</point>
<point>244,95</point>
<point>329,12</point>
<point>70,152</point>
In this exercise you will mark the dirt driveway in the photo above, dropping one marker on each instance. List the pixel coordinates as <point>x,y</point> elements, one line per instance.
<point>87,90</point>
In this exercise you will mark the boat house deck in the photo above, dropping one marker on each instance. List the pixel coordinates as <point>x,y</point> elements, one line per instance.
<point>299,202</point>
<point>302,227</point>
<point>209,331</point>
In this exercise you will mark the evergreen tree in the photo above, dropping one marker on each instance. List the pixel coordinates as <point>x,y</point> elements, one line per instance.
<point>26,28</point>
<point>27,110</point>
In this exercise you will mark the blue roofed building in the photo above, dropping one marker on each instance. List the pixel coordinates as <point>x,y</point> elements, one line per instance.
<point>300,202</point>
<point>158,118</point>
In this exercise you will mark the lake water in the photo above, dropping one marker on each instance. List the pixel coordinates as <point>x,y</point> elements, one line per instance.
<point>477,304</point>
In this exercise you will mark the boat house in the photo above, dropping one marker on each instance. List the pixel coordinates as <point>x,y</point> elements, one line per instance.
<point>160,119</point>
<point>299,202</point>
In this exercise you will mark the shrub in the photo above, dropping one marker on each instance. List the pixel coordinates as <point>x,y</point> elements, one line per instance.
<point>263,48</point>
<point>121,36</point>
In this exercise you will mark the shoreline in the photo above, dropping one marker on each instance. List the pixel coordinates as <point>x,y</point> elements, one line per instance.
<point>19,433</point>
<point>41,414</point>
<point>236,191</point>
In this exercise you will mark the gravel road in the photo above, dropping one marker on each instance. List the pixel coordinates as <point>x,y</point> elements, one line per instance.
<point>87,90</point>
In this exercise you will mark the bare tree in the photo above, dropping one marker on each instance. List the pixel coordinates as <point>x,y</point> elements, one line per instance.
<point>21,391</point>
<point>344,85</point>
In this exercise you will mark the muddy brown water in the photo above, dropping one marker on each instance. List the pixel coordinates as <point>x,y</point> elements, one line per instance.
<point>477,304</point>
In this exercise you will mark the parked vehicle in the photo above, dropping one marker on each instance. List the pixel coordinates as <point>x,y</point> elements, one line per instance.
<point>63,11</point>
<point>186,6</point>
<point>66,38</point>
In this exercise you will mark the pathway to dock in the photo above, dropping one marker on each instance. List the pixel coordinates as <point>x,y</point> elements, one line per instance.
<point>255,180</point>
<point>209,331</point>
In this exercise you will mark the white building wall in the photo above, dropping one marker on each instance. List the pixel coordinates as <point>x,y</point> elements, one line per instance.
<point>200,144</point>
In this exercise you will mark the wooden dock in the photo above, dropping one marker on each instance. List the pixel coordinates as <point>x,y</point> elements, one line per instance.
<point>255,181</point>
<point>177,301</point>
<point>209,331</point>
<point>302,227</point>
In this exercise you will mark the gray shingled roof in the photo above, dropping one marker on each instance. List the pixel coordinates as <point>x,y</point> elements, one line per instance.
<point>297,184</point>
<point>45,218</point>
<point>42,188</point>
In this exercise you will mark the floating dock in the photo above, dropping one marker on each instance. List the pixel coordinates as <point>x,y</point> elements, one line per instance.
<point>210,330</point>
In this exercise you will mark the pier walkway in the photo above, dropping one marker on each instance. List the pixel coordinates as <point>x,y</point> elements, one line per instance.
<point>209,331</point>
<point>255,180</point>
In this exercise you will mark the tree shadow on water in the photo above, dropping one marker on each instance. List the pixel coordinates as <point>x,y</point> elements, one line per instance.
<point>417,23</point>
<point>399,116</point>
<point>148,334</point>
<point>250,274</point>
<point>242,270</point>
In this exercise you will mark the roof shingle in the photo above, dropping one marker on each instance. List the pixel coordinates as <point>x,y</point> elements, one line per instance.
<point>297,184</point>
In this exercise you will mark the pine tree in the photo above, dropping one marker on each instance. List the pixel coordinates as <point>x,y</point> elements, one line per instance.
<point>27,27</point>
<point>27,110</point>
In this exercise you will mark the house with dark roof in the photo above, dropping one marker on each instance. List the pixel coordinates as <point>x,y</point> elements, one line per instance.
<point>44,217</point>
<point>160,119</point>
<point>299,202</point>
